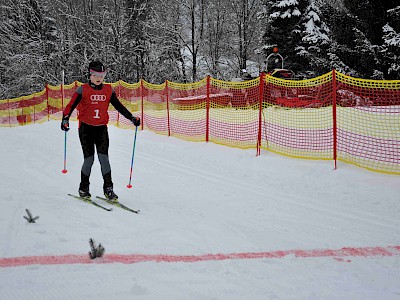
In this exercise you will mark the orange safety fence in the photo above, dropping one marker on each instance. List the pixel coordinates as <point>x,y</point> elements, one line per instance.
<point>330,117</point>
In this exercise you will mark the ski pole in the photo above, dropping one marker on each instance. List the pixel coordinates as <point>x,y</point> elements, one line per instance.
<point>133,155</point>
<point>65,153</point>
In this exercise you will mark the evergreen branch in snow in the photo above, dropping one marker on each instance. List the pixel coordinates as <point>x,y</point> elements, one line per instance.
<point>30,218</point>
<point>95,251</point>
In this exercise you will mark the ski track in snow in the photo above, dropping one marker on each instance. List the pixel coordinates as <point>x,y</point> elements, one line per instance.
<point>365,221</point>
<point>288,199</point>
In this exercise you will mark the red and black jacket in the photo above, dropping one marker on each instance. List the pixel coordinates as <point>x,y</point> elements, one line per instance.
<point>92,102</point>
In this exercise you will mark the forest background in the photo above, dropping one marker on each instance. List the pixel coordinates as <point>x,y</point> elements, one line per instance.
<point>186,40</point>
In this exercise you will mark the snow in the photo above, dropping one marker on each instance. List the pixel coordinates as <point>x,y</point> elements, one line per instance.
<point>215,223</point>
<point>391,37</point>
<point>287,3</point>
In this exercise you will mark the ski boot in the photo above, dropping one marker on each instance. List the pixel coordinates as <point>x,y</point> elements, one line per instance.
<point>84,194</point>
<point>84,187</point>
<point>110,195</point>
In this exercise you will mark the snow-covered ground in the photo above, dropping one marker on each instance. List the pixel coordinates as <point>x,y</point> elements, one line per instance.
<point>214,223</point>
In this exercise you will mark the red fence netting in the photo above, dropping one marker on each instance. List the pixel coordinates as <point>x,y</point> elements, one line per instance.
<point>331,117</point>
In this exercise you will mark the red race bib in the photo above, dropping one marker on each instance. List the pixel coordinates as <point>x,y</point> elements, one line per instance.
<point>93,108</point>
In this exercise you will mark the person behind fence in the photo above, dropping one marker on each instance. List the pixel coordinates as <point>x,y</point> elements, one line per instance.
<point>246,75</point>
<point>92,100</point>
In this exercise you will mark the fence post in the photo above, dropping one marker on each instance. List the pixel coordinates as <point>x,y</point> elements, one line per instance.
<point>334,117</point>
<point>22,119</point>
<point>142,104</point>
<point>208,109</point>
<point>260,95</point>
<point>47,102</point>
<point>167,98</point>
<point>119,97</point>
<point>34,108</point>
<point>9,113</point>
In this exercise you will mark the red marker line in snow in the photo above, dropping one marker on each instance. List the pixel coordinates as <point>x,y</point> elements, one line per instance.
<point>137,258</point>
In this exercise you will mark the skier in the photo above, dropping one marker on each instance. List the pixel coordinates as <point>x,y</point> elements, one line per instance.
<point>92,100</point>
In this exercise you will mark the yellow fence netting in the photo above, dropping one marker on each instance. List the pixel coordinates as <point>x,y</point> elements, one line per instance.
<point>330,117</point>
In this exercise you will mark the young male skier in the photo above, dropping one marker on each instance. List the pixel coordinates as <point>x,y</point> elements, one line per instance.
<point>92,100</point>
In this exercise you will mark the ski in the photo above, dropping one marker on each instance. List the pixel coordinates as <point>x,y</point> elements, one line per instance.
<point>87,200</point>
<point>120,205</point>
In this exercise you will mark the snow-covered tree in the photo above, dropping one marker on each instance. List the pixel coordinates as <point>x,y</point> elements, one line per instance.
<point>312,50</point>
<point>134,46</point>
<point>368,60</point>
<point>165,31</point>
<point>28,39</point>
<point>356,34</point>
<point>246,29</point>
<point>315,30</point>
<point>284,29</point>
<point>217,43</point>
<point>391,44</point>
<point>184,40</point>
<point>194,18</point>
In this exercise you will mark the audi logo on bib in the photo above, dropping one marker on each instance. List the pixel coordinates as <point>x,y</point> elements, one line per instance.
<point>98,97</point>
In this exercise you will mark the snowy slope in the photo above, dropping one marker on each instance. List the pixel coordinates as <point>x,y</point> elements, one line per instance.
<point>215,223</point>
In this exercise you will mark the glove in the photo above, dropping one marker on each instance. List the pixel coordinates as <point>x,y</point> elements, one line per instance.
<point>135,121</point>
<point>65,124</point>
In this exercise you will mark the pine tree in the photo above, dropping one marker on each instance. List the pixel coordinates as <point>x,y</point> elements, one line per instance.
<point>340,53</point>
<point>368,61</point>
<point>283,29</point>
<point>312,50</point>
<point>357,37</point>
<point>391,44</point>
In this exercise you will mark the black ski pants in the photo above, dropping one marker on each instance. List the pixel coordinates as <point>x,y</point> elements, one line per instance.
<point>91,137</point>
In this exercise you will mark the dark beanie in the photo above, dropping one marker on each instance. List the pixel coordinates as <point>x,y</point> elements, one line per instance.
<point>96,66</point>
